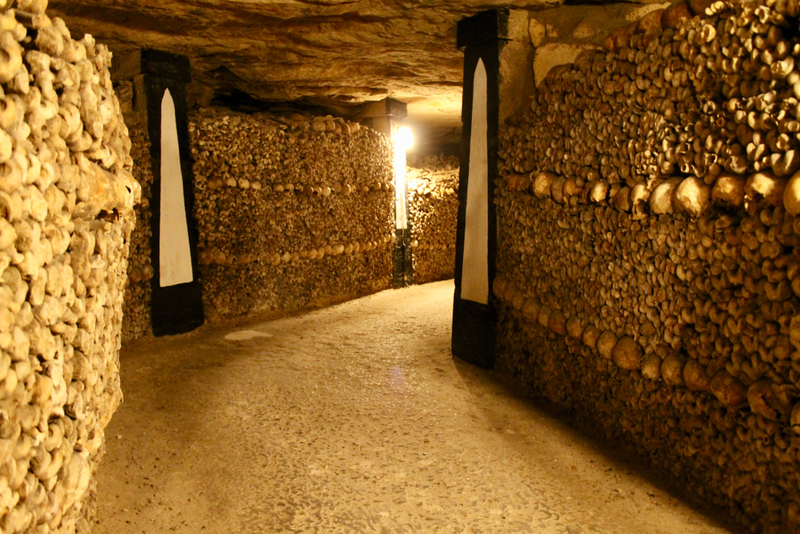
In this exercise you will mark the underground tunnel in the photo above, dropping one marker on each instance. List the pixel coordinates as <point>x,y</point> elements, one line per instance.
<point>568,305</point>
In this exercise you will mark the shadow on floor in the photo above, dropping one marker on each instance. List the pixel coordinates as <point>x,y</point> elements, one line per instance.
<point>622,457</point>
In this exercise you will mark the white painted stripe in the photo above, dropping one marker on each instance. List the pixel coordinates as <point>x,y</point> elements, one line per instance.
<point>475,266</point>
<point>175,257</point>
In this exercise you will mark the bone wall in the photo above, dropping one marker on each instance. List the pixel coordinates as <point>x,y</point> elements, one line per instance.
<point>433,210</point>
<point>66,214</point>
<point>291,212</point>
<point>647,249</point>
<point>136,306</point>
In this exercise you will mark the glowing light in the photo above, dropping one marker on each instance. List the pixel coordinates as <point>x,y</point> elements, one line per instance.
<point>404,138</point>
<point>402,142</point>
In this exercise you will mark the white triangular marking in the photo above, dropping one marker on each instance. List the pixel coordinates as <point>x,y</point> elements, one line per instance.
<point>475,267</point>
<point>175,257</point>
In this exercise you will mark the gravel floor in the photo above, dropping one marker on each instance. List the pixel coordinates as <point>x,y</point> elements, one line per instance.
<point>354,418</point>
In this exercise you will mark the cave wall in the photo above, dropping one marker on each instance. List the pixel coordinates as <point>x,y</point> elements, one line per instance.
<point>432,211</point>
<point>291,212</point>
<point>66,214</point>
<point>136,306</point>
<point>648,247</point>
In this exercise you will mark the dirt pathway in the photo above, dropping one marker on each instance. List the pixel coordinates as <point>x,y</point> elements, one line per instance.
<point>353,419</point>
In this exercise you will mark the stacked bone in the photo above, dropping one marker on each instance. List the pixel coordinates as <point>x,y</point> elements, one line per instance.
<point>67,199</point>
<point>290,212</point>
<point>646,208</point>
<point>432,212</point>
<point>136,321</point>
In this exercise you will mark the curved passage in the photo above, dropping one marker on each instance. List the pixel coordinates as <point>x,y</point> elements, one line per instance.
<point>355,419</point>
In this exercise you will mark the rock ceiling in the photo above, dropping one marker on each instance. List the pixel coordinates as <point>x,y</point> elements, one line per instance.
<point>336,51</point>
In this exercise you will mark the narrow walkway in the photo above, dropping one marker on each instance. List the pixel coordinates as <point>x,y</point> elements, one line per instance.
<point>353,419</point>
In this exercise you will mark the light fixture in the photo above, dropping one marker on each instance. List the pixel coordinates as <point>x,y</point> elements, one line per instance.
<point>404,138</point>
<point>402,142</point>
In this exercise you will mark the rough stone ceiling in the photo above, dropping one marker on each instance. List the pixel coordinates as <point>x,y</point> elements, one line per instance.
<point>340,51</point>
<point>346,50</point>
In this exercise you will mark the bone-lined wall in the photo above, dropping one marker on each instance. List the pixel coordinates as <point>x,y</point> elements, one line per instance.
<point>136,307</point>
<point>66,214</point>
<point>432,210</point>
<point>647,250</point>
<point>291,212</point>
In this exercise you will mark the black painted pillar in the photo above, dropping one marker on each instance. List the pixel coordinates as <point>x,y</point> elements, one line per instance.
<point>386,116</point>
<point>481,37</point>
<point>177,304</point>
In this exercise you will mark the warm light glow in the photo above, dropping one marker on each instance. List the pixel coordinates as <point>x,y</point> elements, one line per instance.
<point>401,220</point>
<point>404,138</point>
<point>402,142</point>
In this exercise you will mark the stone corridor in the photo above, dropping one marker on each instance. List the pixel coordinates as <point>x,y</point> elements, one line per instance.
<point>354,418</point>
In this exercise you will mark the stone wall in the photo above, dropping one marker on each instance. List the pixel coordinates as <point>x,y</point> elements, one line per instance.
<point>136,307</point>
<point>433,210</point>
<point>648,249</point>
<point>66,213</point>
<point>291,212</point>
